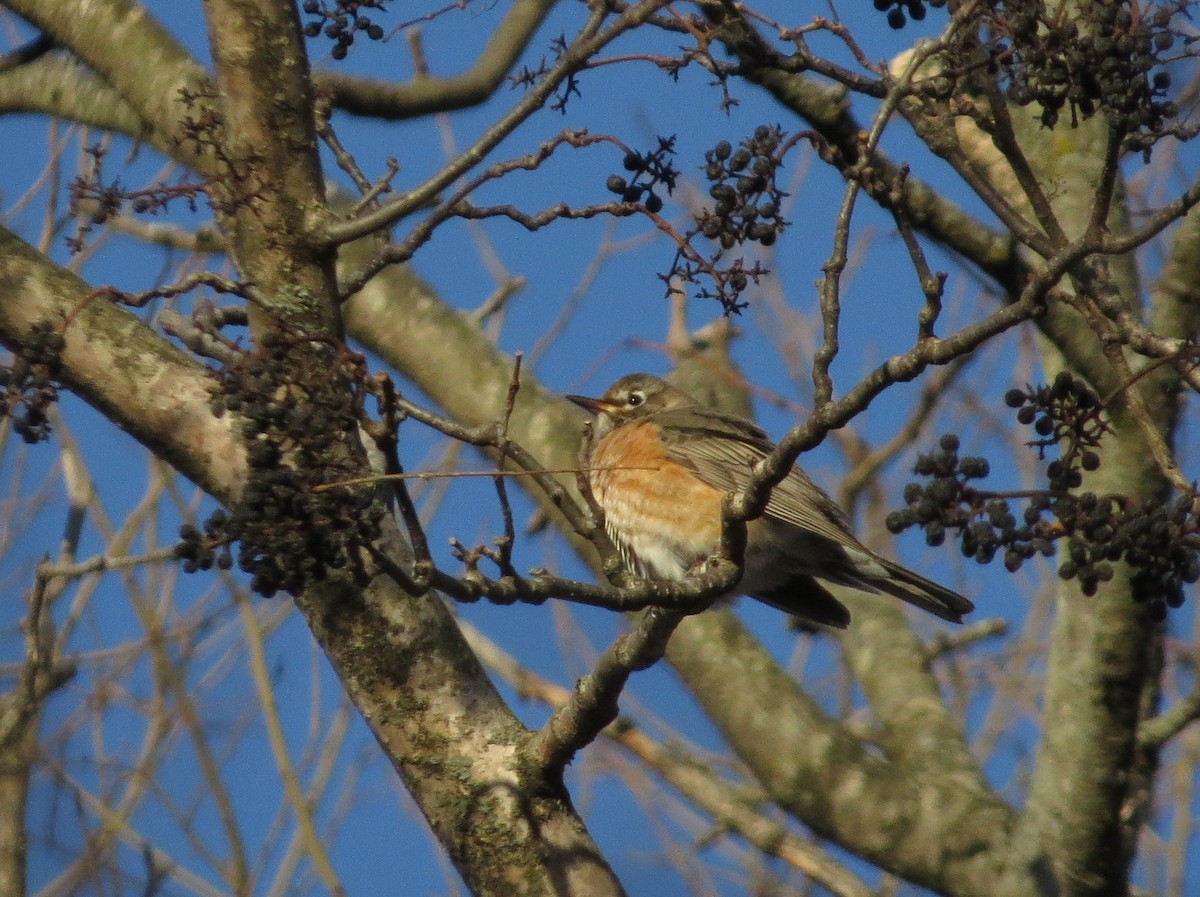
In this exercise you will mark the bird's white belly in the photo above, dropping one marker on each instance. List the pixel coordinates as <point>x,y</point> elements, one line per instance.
<point>648,554</point>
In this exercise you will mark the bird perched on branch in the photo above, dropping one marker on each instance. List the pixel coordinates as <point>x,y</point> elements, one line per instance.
<point>660,466</point>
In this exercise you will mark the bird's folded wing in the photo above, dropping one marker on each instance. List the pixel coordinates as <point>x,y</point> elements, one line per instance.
<point>724,456</point>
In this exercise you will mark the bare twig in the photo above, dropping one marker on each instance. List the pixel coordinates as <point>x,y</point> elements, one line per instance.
<point>506,541</point>
<point>486,437</point>
<point>343,158</point>
<point>302,809</point>
<point>590,39</point>
<point>198,279</point>
<point>593,705</point>
<point>631,594</point>
<point>457,206</point>
<point>386,438</point>
<point>772,469</point>
<point>951,641</point>
<point>457,474</point>
<point>41,672</point>
<point>1101,304</point>
<point>1158,730</point>
<point>204,341</point>
<point>499,298</point>
<point>101,563</point>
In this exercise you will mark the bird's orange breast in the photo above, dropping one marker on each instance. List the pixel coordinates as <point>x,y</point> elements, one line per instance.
<point>662,517</point>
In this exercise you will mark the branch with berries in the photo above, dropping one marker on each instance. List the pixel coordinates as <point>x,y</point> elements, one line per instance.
<point>1159,541</point>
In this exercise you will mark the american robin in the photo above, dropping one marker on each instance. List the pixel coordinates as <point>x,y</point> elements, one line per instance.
<point>661,464</point>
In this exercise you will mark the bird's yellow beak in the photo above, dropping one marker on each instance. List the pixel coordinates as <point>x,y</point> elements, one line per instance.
<point>594,406</point>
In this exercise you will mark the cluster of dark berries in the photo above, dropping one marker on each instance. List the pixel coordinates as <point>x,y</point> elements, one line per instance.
<point>649,170</point>
<point>299,403</point>
<point>985,521</point>
<point>896,10</point>
<point>28,382</point>
<point>746,197</point>
<point>1093,544</point>
<point>1157,540</point>
<point>1103,58</point>
<point>340,21</point>
<point>946,501</point>
<point>203,551</point>
<point>1158,543</point>
<point>746,209</point>
<point>1066,414</point>
<point>1154,539</point>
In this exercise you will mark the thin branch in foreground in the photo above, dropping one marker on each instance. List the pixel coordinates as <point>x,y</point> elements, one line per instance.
<point>506,542</point>
<point>719,576</point>
<point>344,159</point>
<point>688,595</point>
<point>386,435</point>
<point>593,705</point>
<point>771,470</point>
<point>870,461</point>
<point>459,474</point>
<point>1155,732</point>
<point>486,436</point>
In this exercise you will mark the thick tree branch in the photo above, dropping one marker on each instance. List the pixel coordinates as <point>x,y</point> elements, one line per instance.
<point>120,366</point>
<point>1154,733</point>
<point>1176,297</point>
<point>935,827</point>
<point>424,94</point>
<point>404,664</point>
<point>128,48</point>
<point>152,390</point>
<point>271,194</point>
<point>593,705</point>
<point>59,85</point>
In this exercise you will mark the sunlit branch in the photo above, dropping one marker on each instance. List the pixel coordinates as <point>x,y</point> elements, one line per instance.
<point>427,95</point>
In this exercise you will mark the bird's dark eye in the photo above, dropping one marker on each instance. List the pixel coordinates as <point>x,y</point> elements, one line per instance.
<point>635,399</point>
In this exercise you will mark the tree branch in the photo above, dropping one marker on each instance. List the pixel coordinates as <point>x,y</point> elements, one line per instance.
<point>106,35</point>
<point>425,95</point>
<point>725,802</point>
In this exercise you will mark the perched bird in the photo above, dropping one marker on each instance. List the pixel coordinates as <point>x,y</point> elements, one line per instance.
<point>661,464</point>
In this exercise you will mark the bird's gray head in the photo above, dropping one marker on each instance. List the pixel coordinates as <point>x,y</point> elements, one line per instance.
<point>633,397</point>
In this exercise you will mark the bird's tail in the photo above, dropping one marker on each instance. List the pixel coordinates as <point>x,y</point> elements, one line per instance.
<point>914,588</point>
